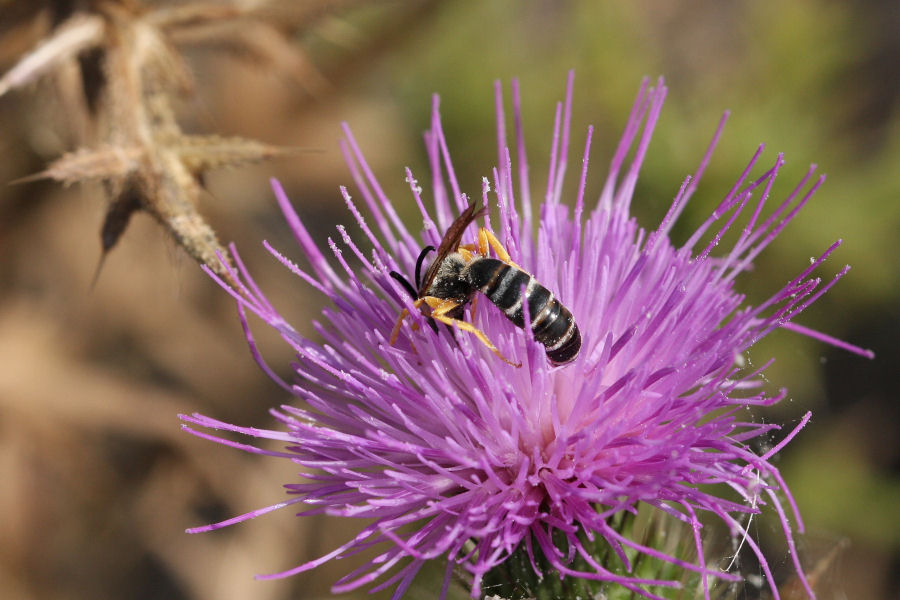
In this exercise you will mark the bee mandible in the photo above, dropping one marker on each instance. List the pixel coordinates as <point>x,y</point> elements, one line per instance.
<point>459,271</point>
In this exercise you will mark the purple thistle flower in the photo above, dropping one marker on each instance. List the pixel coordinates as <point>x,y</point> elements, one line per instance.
<point>454,454</point>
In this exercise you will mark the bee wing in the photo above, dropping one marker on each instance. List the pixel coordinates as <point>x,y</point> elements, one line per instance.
<point>450,242</point>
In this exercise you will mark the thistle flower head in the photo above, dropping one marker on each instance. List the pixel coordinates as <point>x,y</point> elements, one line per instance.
<point>455,454</point>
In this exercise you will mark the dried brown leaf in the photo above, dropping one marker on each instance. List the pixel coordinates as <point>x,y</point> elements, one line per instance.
<point>175,18</point>
<point>76,34</point>
<point>261,43</point>
<point>202,153</point>
<point>270,46</point>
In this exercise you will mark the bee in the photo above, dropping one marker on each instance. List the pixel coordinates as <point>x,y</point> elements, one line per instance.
<point>459,271</point>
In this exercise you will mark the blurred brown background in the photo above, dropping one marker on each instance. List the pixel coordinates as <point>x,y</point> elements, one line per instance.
<point>99,482</point>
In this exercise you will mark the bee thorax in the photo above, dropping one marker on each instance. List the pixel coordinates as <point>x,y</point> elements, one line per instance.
<point>449,282</point>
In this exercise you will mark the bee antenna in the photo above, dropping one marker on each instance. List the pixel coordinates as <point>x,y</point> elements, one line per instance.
<point>405,283</point>
<point>419,262</point>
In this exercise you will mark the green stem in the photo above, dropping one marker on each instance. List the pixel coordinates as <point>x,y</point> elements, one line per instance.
<point>516,579</point>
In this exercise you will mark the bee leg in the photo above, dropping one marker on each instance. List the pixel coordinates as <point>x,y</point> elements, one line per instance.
<point>395,333</point>
<point>467,252</point>
<point>439,308</point>
<point>487,238</point>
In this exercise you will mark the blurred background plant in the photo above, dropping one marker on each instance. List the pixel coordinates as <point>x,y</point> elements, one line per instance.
<point>99,482</point>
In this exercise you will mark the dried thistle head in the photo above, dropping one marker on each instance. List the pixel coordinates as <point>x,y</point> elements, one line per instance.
<point>129,75</point>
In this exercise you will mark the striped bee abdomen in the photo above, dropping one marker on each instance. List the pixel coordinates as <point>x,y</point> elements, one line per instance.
<point>551,322</point>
